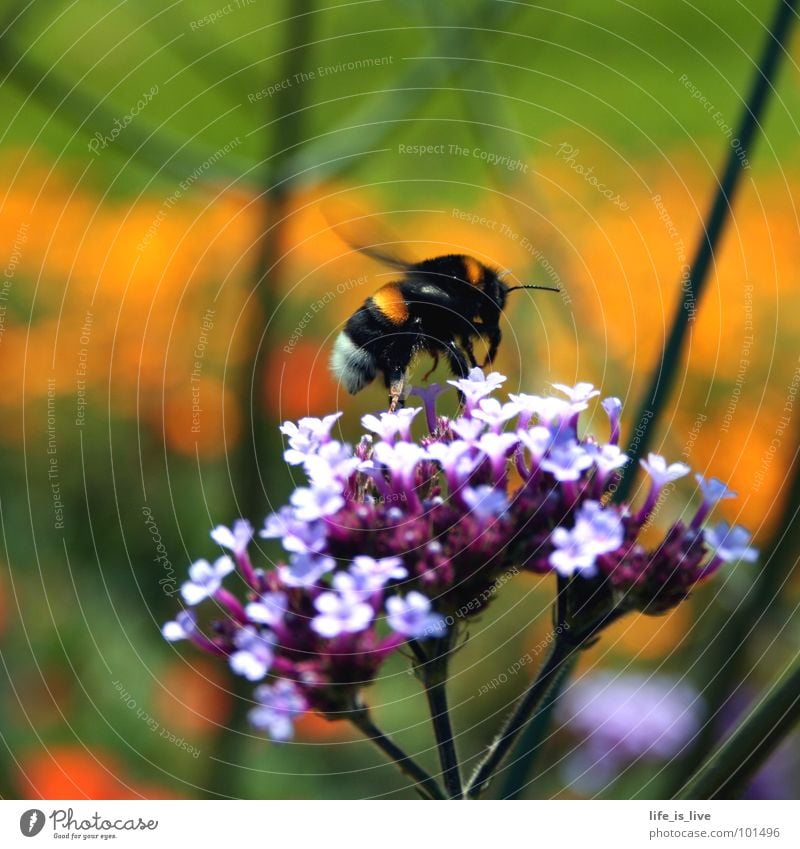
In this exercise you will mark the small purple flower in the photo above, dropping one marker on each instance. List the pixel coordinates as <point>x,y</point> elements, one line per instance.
<point>456,461</point>
<point>235,540</point>
<point>661,473</point>
<point>477,385</point>
<point>205,579</point>
<point>268,610</point>
<point>730,544</point>
<point>298,536</point>
<point>412,616</point>
<point>279,704</point>
<point>331,465</point>
<point>613,408</point>
<point>607,458</point>
<point>315,502</point>
<point>391,425</point>
<point>497,446</point>
<point>494,413</point>
<point>597,531</point>
<point>340,614</point>
<point>306,436</point>
<point>567,461</point>
<point>372,575</point>
<point>578,393</point>
<point>485,501</point>
<point>254,654</point>
<point>470,430</point>
<point>181,628</point>
<point>429,394</point>
<point>305,570</point>
<point>537,440</point>
<point>714,490</point>
<point>553,411</point>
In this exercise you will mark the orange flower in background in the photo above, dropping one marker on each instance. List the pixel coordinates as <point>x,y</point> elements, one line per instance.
<point>192,698</point>
<point>72,772</point>
<point>298,382</point>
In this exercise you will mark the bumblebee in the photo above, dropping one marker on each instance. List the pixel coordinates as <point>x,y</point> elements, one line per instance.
<point>437,306</point>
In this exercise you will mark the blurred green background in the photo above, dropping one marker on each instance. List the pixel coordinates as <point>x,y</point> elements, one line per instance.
<point>163,247</point>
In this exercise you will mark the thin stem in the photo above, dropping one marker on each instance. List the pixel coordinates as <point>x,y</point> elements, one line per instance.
<point>425,783</point>
<point>434,677</point>
<point>533,736</point>
<point>726,773</point>
<point>666,371</point>
<point>566,642</point>
<point>512,727</point>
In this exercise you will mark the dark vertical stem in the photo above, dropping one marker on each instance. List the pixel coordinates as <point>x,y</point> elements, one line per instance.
<point>288,132</point>
<point>724,650</point>
<point>259,433</point>
<point>728,771</point>
<point>519,717</point>
<point>435,674</point>
<point>426,783</point>
<point>666,371</point>
<point>532,738</point>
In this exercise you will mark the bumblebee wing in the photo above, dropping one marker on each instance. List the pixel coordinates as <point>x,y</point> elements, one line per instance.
<point>362,231</point>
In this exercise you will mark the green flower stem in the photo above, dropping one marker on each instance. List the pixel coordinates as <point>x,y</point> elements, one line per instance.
<point>424,782</point>
<point>566,642</point>
<point>665,372</point>
<point>727,772</point>
<point>524,756</point>
<point>434,676</point>
<point>518,719</point>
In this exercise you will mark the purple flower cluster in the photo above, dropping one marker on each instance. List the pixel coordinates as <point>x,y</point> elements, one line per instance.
<point>398,539</point>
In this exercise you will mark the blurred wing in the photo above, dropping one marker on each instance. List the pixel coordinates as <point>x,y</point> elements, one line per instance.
<point>363,232</point>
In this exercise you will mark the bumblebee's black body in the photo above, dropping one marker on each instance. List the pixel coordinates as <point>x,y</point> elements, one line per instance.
<point>438,306</point>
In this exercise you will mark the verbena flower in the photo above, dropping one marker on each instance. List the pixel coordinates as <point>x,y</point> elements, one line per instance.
<point>620,718</point>
<point>402,538</point>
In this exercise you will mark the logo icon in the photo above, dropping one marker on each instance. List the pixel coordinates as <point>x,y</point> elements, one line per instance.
<point>31,822</point>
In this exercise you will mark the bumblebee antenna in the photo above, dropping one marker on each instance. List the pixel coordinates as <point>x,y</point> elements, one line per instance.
<point>543,288</point>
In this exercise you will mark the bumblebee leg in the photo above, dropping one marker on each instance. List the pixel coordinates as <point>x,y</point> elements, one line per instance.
<point>432,369</point>
<point>396,386</point>
<point>457,360</point>
<point>466,344</point>
<point>494,334</point>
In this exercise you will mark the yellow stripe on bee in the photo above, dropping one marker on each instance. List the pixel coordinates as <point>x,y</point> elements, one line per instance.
<point>473,270</point>
<point>391,304</point>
